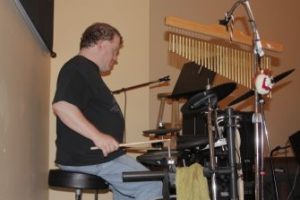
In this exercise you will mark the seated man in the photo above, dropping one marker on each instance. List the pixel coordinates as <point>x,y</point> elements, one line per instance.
<point>88,115</point>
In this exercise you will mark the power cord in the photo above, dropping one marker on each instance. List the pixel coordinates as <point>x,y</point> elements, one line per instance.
<point>294,183</point>
<point>273,171</point>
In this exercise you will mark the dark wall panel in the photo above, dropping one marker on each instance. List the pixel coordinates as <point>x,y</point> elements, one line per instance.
<point>41,14</point>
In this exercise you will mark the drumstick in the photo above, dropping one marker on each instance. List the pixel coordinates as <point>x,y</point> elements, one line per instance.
<point>136,143</point>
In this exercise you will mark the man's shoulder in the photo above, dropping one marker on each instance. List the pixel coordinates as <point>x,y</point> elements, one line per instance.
<point>74,62</point>
<point>79,64</point>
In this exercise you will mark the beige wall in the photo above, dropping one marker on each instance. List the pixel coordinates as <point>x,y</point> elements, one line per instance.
<point>24,99</point>
<point>25,73</point>
<point>276,20</point>
<point>132,19</point>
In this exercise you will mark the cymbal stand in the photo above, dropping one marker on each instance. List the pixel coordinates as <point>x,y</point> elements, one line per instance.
<point>231,152</point>
<point>211,141</point>
<point>260,129</point>
<point>170,160</point>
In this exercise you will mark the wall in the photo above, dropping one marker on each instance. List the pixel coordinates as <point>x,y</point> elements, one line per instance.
<point>25,70</point>
<point>24,99</point>
<point>276,21</point>
<point>132,19</point>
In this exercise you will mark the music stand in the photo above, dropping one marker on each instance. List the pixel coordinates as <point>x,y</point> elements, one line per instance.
<point>192,79</point>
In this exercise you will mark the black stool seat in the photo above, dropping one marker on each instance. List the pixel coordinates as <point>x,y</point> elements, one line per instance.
<point>76,180</point>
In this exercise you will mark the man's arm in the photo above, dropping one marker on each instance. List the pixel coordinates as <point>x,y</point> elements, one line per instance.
<point>72,117</point>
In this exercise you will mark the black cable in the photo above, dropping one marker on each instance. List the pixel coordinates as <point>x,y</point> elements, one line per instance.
<point>277,148</point>
<point>273,172</point>
<point>294,184</point>
<point>288,172</point>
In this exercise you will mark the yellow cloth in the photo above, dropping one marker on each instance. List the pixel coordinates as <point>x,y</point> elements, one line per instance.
<point>191,184</point>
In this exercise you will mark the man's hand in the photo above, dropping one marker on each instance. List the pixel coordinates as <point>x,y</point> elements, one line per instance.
<point>106,143</point>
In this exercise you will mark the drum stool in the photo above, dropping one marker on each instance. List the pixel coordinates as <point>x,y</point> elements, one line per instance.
<point>76,180</point>
<point>175,115</point>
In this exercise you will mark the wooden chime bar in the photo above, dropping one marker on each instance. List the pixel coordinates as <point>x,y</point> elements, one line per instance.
<point>231,62</point>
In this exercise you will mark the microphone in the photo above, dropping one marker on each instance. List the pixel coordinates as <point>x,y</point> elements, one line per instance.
<point>258,45</point>
<point>165,78</point>
<point>226,20</point>
<point>229,14</point>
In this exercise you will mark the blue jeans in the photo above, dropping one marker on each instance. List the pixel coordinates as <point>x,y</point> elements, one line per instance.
<point>112,172</point>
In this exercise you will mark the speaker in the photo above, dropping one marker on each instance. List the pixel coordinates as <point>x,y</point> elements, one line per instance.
<point>286,170</point>
<point>295,143</point>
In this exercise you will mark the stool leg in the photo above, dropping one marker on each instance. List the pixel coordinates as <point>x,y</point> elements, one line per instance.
<point>161,112</point>
<point>175,114</point>
<point>96,195</point>
<point>77,194</point>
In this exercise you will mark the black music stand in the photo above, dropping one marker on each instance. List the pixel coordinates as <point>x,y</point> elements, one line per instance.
<point>193,79</point>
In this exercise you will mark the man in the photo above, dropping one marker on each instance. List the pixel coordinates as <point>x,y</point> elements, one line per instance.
<point>88,115</point>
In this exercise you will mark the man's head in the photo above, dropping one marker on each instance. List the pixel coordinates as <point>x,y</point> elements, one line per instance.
<point>98,31</point>
<point>101,43</point>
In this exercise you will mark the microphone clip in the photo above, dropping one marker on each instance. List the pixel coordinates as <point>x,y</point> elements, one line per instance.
<point>226,20</point>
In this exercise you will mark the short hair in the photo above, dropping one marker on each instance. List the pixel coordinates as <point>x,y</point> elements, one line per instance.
<point>98,31</point>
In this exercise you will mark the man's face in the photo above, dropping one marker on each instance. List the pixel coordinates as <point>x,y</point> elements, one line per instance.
<point>109,51</point>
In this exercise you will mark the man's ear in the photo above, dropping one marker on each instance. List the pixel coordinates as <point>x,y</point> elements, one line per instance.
<point>99,44</point>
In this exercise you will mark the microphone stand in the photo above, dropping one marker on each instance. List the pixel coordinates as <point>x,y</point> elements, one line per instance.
<point>258,117</point>
<point>163,79</point>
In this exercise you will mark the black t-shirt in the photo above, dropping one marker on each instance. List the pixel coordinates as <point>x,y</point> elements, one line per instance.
<point>79,83</point>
